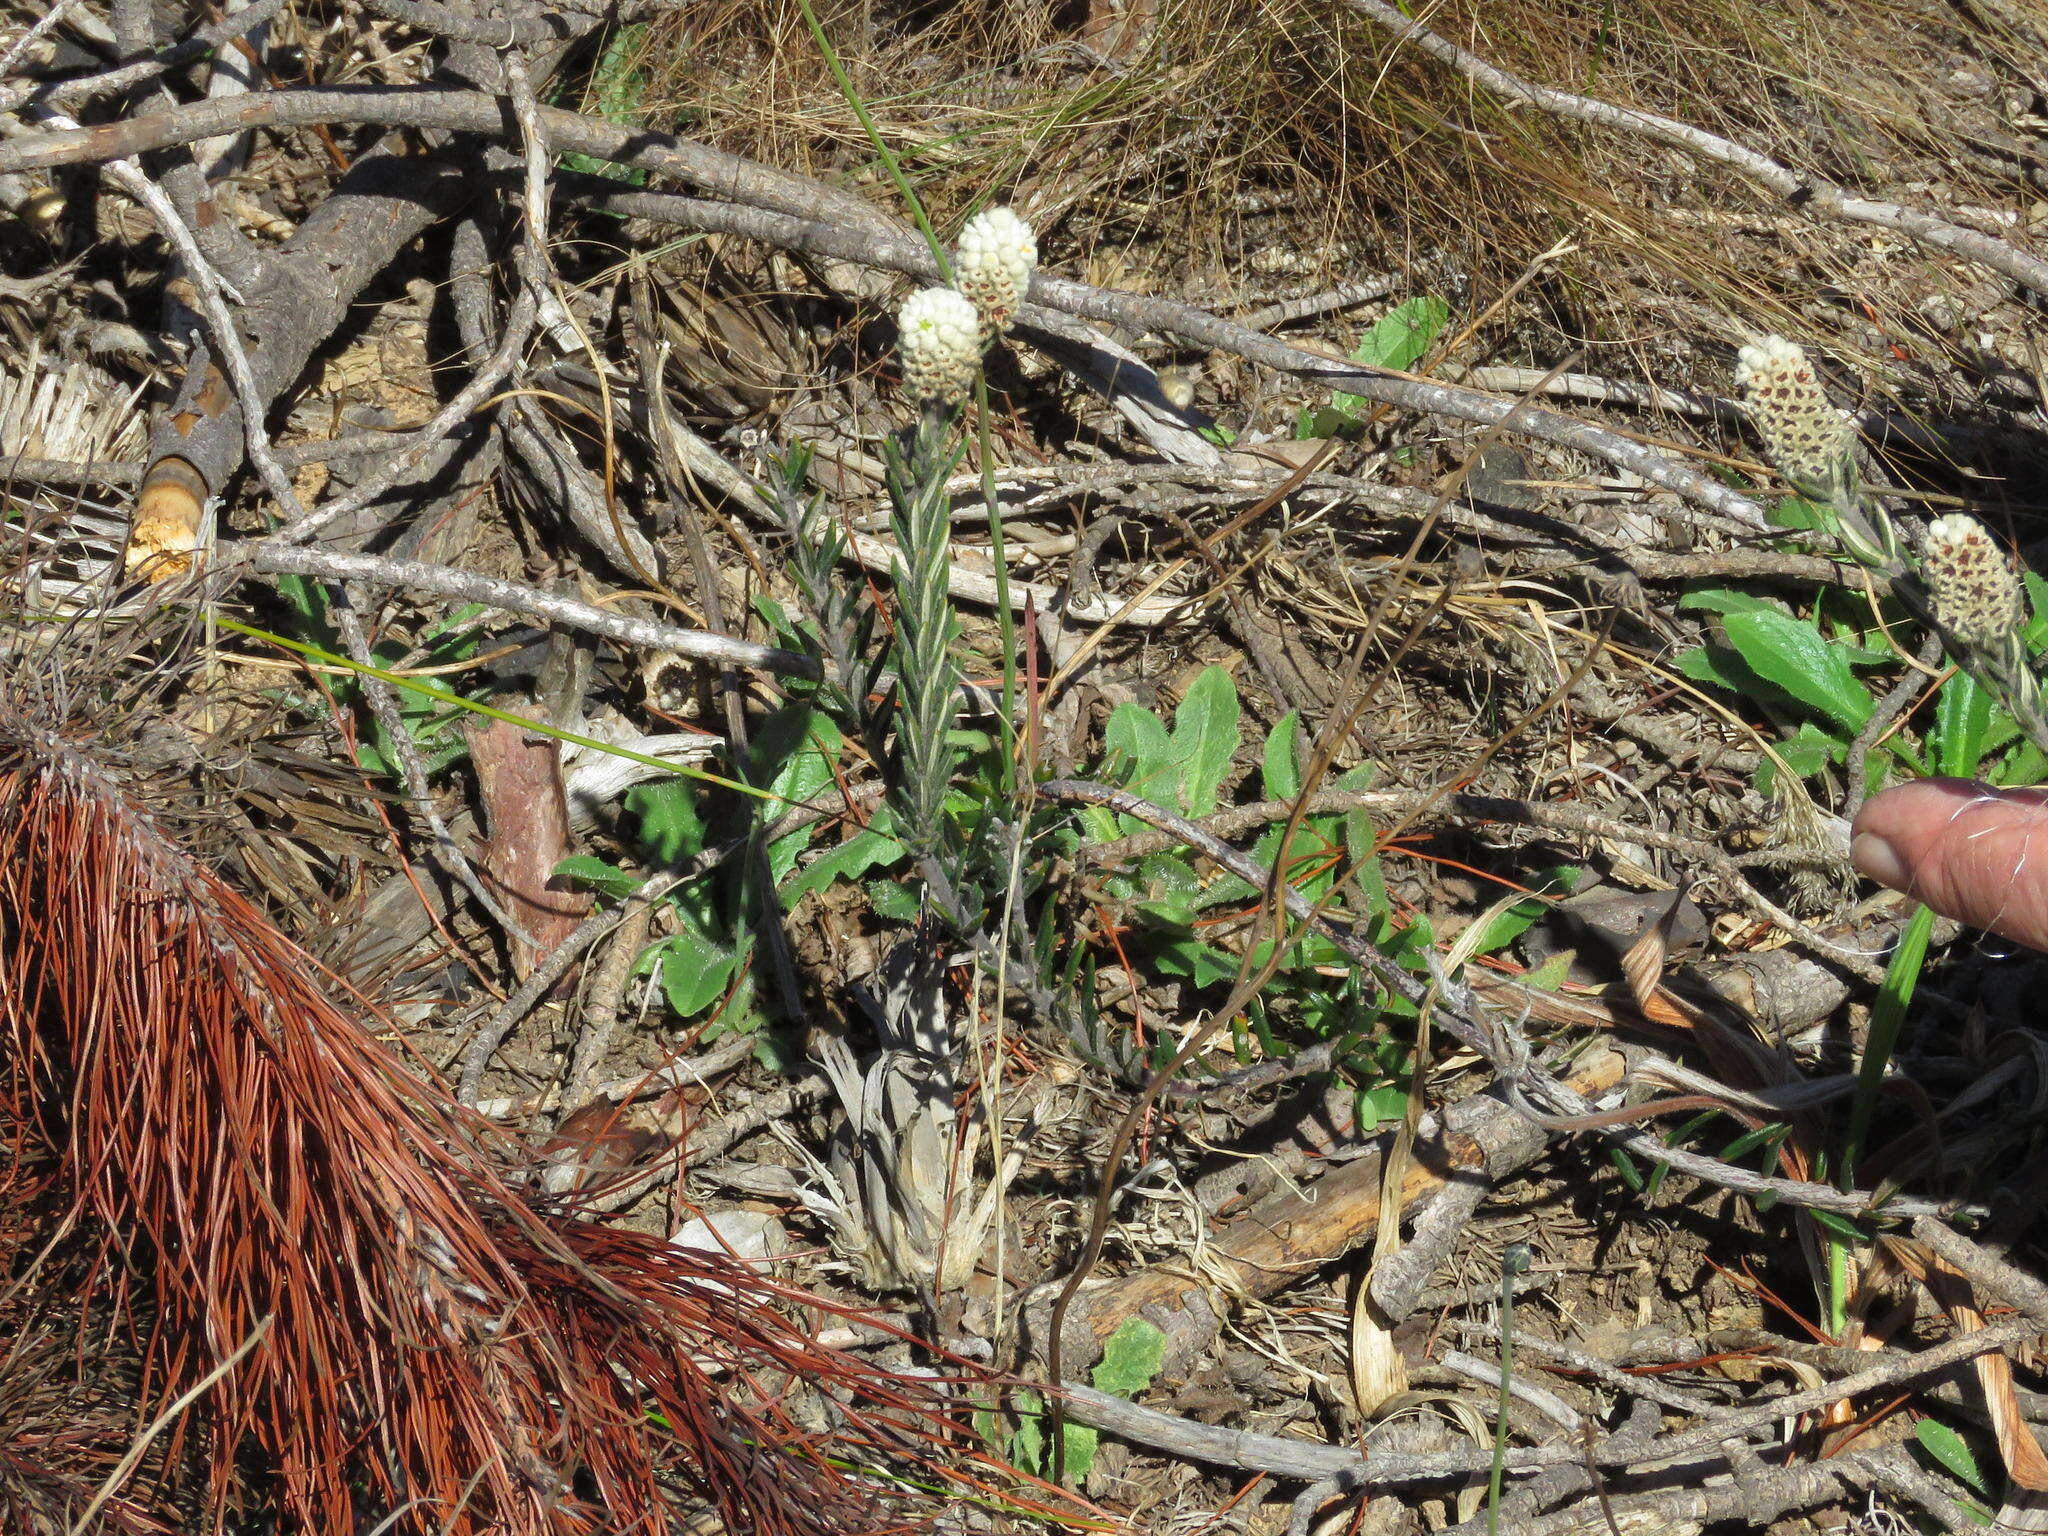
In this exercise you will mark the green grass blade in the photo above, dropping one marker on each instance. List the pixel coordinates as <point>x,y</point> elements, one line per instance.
<point>874,133</point>
<point>1901,975</point>
<point>491,711</point>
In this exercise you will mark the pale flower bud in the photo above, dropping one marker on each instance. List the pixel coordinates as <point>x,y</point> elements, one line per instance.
<point>1806,438</point>
<point>939,341</point>
<point>993,265</point>
<point>1977,595</point>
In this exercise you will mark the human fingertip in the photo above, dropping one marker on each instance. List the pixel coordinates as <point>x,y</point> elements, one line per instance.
<point>1879,861</point>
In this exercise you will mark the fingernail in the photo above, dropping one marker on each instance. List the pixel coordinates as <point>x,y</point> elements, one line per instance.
<point>1875,857</point>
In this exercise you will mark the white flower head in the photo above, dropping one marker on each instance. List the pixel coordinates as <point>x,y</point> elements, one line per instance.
<point>1762,361</point>
<point>1807,438</point>
<point>939,339</point>
<point>993,264</point>
<point>1977,596</point>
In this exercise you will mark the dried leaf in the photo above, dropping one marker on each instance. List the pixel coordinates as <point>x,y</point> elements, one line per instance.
<point>519,778</point>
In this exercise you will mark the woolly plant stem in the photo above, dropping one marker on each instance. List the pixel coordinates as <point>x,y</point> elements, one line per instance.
<point>1512,1263</point>
<point>927,675</point>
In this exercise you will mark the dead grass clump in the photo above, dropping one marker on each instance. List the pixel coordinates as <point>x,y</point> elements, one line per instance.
<point>1159,142</point>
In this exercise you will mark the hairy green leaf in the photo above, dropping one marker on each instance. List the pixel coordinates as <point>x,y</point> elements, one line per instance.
<point>893,900</point>
<point>1962,720</point>
<point>849,861</point>
<point>1952,1451</point>
<point>1205,739</point>
<point>1280,773</point>
<point>1398,341</point>
<point>1792,655</point>
<point>695,970</point>
<point>1131,1357</point>
<point>597,874</point>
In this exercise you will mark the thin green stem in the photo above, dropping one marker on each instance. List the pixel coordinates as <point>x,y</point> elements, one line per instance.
<point>1512,1263</point>
<point>874,133</point>
<point>1901,974</point>
<point>491,711</point>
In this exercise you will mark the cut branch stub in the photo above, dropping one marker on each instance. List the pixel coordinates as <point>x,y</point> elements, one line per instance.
<point>169,527</point>
<point>307,286</point>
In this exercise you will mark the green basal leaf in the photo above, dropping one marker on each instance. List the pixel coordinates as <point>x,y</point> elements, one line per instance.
<point>1281,774</point>
<point>2027,765</point>
<point>607,879</point>
<point>1168,913</point>
<point>1140,738</point>
<point>797,745</point>
<point>1952,1451</point>
<point>1727,600</point>
<point>1809,750</point>
<point>1201,963</point>
<point>2002,731</point>
<point>616,87</point>
<point>668,818</point>
<point>893,900</point>
<point>1398,340</point>
<point>775,616</point>
<point>695,970</point>
<point>849,861</point>
<point>1509,925</point>
<point>1724,668</point>
<point>1380,1106</point>
<point>1131,1357</point>
<point>1792,655</point>
<point>1166,877</point>
<point>1962,720</point>
<point>1101,824</point>
<point>1205,739</point>
<point>1027,1443</point>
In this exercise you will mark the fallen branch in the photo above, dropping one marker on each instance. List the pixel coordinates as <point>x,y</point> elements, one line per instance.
<point>511,597</point>
<point>797,213</point>
<point>1346,1470</point>
<point>1757,1495</point>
